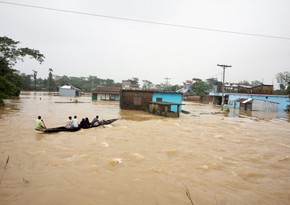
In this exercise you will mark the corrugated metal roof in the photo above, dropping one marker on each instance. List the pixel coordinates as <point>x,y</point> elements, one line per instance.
<point>240,100</point>
<point>248,100</point>
<point>66,87</point>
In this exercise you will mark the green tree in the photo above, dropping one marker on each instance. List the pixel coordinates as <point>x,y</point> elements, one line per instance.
<point>10,79</point>
<point>147,84</point>
<point>256,83</point>
<point>174,87</point>
<point>26,82</point>
<point>244,82</point>
<point>35,79</point>
<point>283,78</point>
<point>200,87</point>
<point>9,51</point>
<point>50,81</point>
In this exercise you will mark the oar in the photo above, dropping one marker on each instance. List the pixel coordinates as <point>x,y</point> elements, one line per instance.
<point>44,124</point>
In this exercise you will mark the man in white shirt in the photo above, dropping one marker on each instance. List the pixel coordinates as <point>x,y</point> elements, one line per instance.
<point>75,122</point>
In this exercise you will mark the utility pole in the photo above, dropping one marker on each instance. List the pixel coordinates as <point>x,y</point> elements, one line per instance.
<point>167,79</point>
<point>223,86</point>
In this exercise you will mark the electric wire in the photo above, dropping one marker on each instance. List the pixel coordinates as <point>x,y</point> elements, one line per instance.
<point>145,21</point>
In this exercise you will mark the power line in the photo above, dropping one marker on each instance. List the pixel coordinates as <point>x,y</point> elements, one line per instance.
<point>144,21</point>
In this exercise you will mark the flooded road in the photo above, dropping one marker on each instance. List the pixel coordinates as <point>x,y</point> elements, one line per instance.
<point>235,158</point>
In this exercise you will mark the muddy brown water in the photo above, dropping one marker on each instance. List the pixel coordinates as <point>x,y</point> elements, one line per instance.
<point>235,158</point>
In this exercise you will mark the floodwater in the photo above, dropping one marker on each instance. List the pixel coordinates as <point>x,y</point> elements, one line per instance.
<point>206,157</point>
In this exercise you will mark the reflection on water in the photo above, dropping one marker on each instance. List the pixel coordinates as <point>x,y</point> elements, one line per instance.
<point>233,157</point>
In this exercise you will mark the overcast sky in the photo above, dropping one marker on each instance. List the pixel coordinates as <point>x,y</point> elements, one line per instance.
<point>77,45</point>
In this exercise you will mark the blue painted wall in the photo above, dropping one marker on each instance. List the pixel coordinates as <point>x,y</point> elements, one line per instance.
<point>281,99</point>
<point>169,97</point>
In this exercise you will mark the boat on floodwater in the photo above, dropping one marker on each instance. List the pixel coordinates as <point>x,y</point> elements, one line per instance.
<point>64,129</point>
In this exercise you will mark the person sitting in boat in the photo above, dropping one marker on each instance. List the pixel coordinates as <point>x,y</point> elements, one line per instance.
<point>39,124</point>
<point>83,123</point>
<point>96,121</point>
<point>69,123</point>
<point>75,123</point>
<point>88,124</point>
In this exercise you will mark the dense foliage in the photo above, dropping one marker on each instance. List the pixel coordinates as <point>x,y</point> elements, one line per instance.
<point>283,78</point>
<point>52,83</point>
<point>201,88</point>
<point>10,80</point>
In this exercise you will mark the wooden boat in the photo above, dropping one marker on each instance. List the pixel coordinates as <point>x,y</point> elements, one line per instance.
<point>61,129</point>
<point>64,129</point>
<point>105,122</point>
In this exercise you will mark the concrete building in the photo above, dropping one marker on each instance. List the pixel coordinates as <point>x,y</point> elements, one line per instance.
<point>168,104</point>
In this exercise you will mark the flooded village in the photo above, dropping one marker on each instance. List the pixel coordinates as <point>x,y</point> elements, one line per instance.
<point>78,126</point>
<point>165,148</point>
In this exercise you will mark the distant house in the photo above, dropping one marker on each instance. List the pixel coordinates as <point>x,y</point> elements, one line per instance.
<point>244,91</point>
<point>187,93</point>
<point>260,89</point>
<point>69,91</point>
<point>106,93</point>
<point>156,102</point>
<point>263,89</point>
<point>130,84</point>
<point>257,105</point>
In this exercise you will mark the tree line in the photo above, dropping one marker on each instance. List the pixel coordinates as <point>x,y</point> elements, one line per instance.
<point>53,82</point>
<point>12,81</point>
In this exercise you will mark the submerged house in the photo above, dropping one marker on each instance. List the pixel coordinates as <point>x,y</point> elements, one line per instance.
<point>256,105</point>
<point>106,93</point>
<point>156,102</point>
<point>135,99</point>
<point>166,104</point>
<point>69,91</point>
<point>257,101</point>
<point>258,98</point>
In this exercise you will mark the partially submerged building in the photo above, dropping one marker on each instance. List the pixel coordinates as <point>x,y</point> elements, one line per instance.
<point>166,104</point>
<point>156,102</point>
<point>69,91</point>
<point>106,93</point>
<point>251,98</point>
<point>135,99</point>
<point>256,105</point>
<point>257,101</point>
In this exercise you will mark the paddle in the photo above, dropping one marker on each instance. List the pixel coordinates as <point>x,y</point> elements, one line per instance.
<point>44,124</point>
